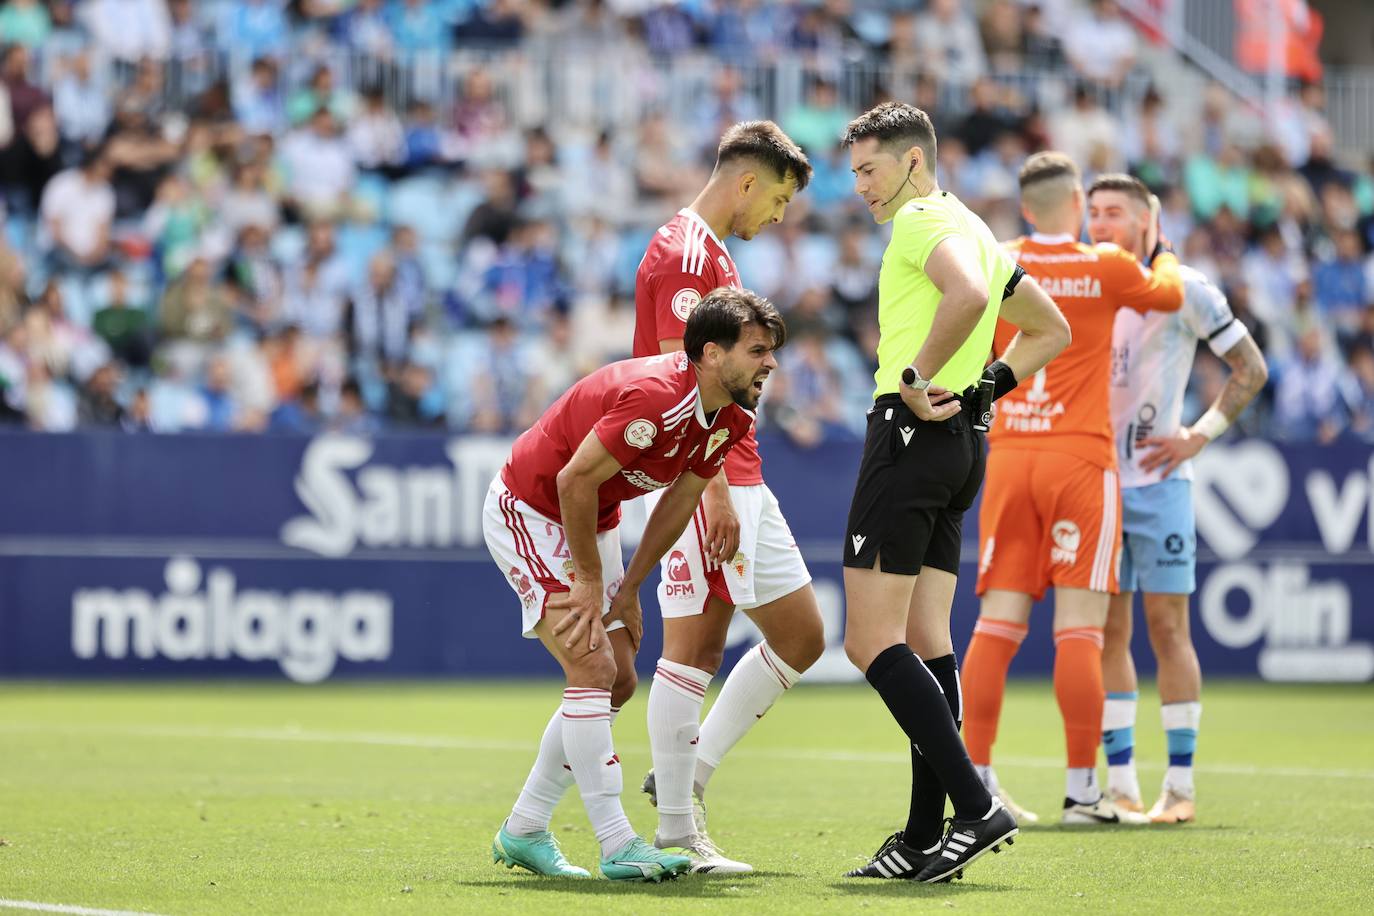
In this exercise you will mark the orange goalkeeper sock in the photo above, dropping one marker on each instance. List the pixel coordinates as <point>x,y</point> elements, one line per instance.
<point>984,677</point>
<point>1078,688</point>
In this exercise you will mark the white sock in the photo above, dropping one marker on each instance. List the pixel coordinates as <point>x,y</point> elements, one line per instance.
<point>1080,784</point>
<point>674,727</point>
<point>548,781</point>
<point>752,688</point>
<point>595,766</point>
<point>1181,722</point>
<point>1122,780</point>
<point>1118,723</point>
<point>988,776</point>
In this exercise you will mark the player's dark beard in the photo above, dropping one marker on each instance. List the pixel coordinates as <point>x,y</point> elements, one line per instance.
<point>745,395</point>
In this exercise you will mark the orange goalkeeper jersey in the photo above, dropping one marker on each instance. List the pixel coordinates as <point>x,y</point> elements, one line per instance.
<point>1066,407</point>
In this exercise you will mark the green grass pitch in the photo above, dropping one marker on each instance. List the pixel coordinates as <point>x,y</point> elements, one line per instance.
<point>367,798</point>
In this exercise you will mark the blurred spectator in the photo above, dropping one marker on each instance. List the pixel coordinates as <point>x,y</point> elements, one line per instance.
<point>175,223</point>
<point>319,166</point>
<point>24,22</point>
<point>316,288</point>
<point>33,158</point>
<point>300,414</point>
<point>320,92</point>
<point>123,324</point>
<point>98,405</point>
<point>222,411</point>
<point>258,103</point>
<point>78,208</point>
<point>253,271</point>
<point>506,385</point>
<point>1004,36</point>
<point>599,184</point>
<point>352,417</point>
<point>418,26</point>
<point>1309,398</point>
<point>805,398</point>
<point>196,308</point>
<point>1273,273</point>
<point>424,140</point>
<point>366,30</point>
<point>25,96</point>
<point>1362,393</point>
<point>410,397</point>
<point>380,313</point>
<point>130,30</point>
<point>247,201</point>
<point>375,135</point>
<point>81,104</point>
<point>948,41</point>
<point>1102,45</point>
<point>1339,283</point>
<point>254,28</point>
<point>1087,130</point>
<point>985,120</point>
<point>817,124</point>
<point>1149,141</point>
<point>494,24</point>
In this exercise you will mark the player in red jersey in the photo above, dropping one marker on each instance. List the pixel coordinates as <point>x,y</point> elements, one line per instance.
<point>738,551</point>
<point>550,521</point>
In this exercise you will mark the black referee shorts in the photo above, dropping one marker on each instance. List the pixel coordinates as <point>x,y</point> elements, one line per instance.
<point>916,480</point>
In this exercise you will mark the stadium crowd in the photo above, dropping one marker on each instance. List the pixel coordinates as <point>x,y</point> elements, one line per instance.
<point>332,214</point>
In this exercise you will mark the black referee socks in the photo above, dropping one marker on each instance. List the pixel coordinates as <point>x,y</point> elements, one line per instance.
<point>916,701</point>
<point>927,813</point>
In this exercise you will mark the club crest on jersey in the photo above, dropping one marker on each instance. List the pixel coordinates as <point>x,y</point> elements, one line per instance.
<point>716,441</point>
<point>684,300</point>
<point>641,433</point>
<point>724,265</point>
<point>1066,539</point>
<point>568,570</point>
<point>740,563</point>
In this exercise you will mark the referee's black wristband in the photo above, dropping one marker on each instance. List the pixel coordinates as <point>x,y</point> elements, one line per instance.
<point>1017,273</point>
<point>1003,379</point>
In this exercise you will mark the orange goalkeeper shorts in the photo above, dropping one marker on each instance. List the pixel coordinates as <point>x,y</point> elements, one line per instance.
<point>1048,518</point>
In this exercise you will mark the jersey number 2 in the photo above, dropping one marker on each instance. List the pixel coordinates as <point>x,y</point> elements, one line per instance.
<point>561,551</point>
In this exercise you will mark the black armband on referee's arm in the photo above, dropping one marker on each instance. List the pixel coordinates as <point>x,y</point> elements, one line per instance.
<point>1016,276</point>
<point>1003,379</point>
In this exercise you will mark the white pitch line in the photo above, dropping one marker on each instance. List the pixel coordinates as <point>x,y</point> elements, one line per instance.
<point>440,742</point>
<point>64,908</point>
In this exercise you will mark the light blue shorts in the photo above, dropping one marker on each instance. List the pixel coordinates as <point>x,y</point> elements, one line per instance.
<point>1159,538</point>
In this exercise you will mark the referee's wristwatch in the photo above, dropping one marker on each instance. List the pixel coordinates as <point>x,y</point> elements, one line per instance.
<point>912,379</point>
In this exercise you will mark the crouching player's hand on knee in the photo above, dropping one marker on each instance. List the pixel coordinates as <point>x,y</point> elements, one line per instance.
<point>625,608</point>
<point>582,623</point>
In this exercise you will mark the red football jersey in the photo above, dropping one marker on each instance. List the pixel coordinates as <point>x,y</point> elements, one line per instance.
<point>647,412</point>
<point>683,263</point>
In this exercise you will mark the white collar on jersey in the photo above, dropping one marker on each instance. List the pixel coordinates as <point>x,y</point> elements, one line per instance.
<point>696,218</point>
<point>1061,238</point>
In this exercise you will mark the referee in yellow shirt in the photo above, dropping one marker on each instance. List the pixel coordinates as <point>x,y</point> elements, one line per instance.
<point>944,281</point>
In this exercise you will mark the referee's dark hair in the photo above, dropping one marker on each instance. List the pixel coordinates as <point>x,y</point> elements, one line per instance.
<point>766,143</point>
<point>720,319</point>
<point>898,127</point>
<point>1126,184</point>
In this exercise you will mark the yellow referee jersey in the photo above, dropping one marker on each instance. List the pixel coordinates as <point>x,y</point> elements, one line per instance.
<point>907,298</point>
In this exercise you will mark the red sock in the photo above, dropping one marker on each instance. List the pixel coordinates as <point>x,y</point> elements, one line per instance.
<point>1078,688</point>
<point>984,676</point>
